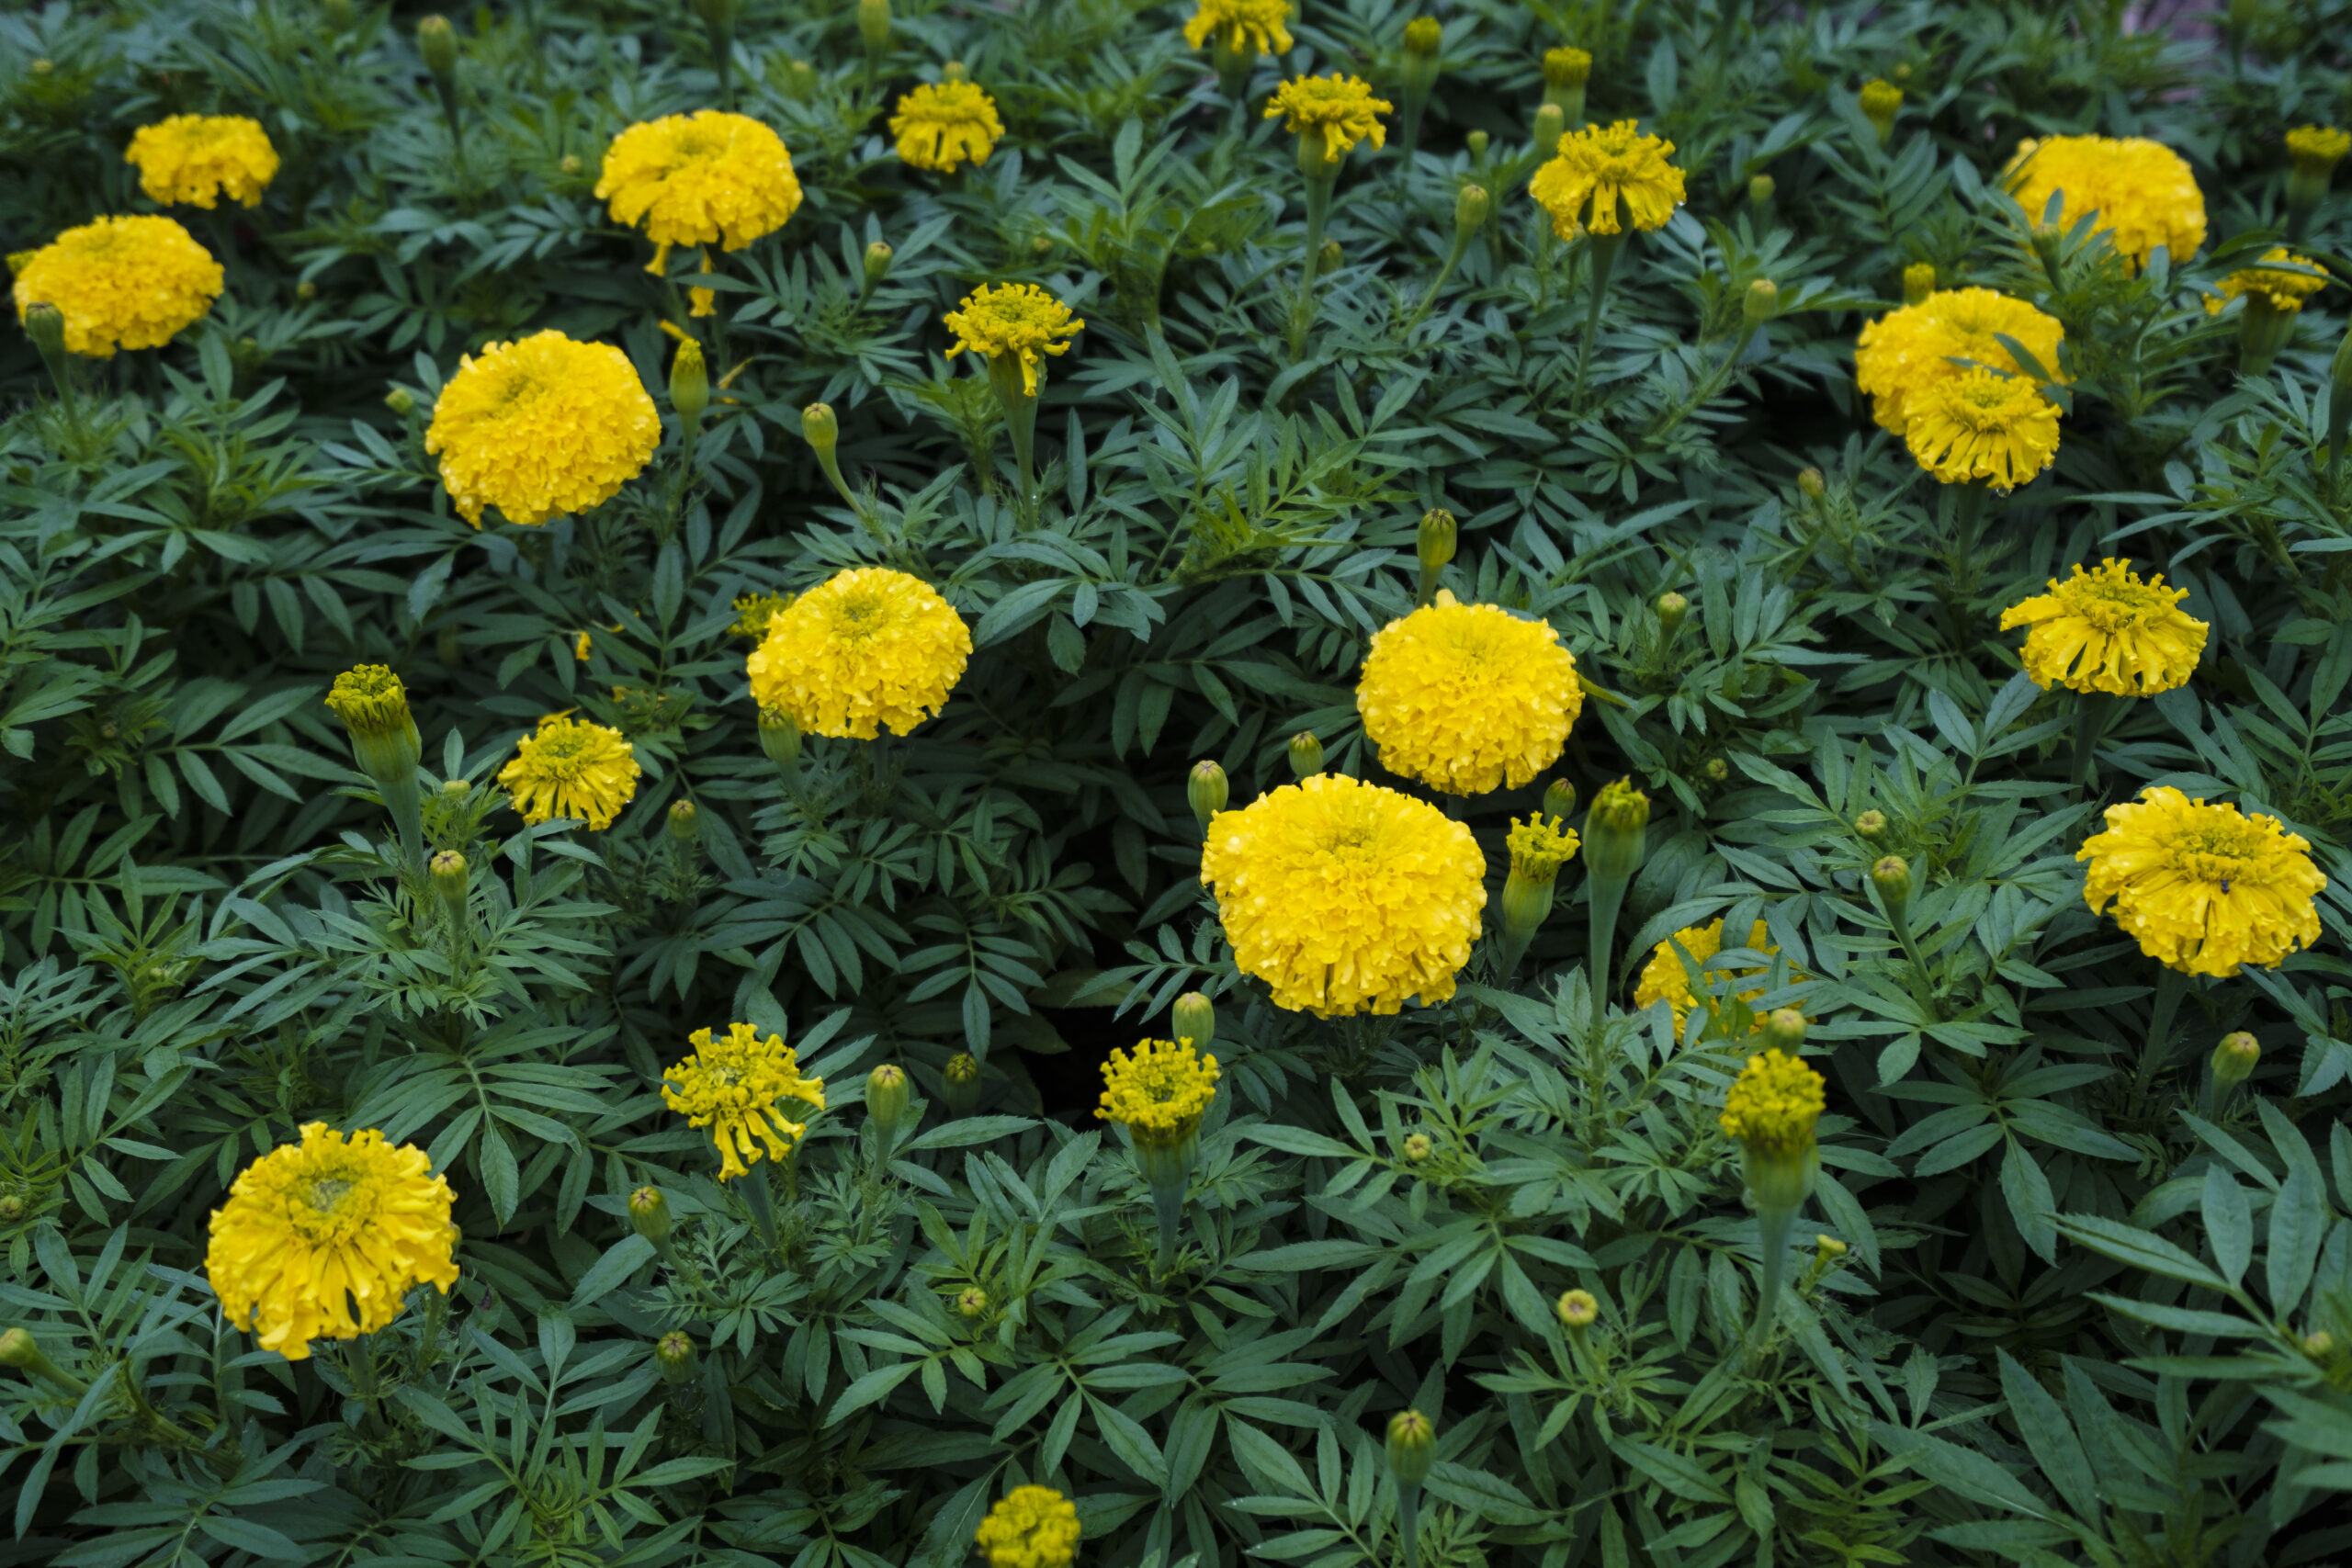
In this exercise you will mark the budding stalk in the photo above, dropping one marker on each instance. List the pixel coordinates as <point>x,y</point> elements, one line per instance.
<point>1207,791</point>
<point>1305,754</point>
<point>1434,546</point>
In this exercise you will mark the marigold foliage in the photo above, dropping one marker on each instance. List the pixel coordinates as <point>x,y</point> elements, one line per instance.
<point>1013,320</point>
<point>1467,698</point>
<point>734,1086</point>
<point>710,177</point>
<point>1602,177</point>
<point>941,126</point>
<point>1774,1104</point>
<point>1160,1092</point>
<point>1030,1527</point>
<point>2203,888</point>
<point>2283,289</point>
<point>2108,631</point>
<point>199,159</point>
<point>119,283</point>
<point>870,649</point>
<point>1339,109</point>
<point>1907,354</point>
<point>1241,24</point>
<point>2142,191</point>
<point>1983,425</point>
<point>541,428</point>
<point>1664,978</point>
<point>571,768</point>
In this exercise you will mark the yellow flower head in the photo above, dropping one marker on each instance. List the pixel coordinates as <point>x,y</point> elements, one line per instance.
<point>1346,897</point>
<point>699,179</point>
<point>1539,847</point>
<point>1241,24</point>
<point>1467,698</point>
<point>1774,1103</point>
<point>1664,979</point>
<point>312,1230</point>
<point>1881,99</point>
<point>541,427</point>
<point>870,647</point>
<point>1034,1527</point>
<point>754,611</point>
<point>1598,173</point>
<point>1984,426</point>
<point>1566,67</point>
<point>2141,190</point>
<point>940,125</point>
<point>1907,353</point>
<point>2317,149</point>
<point>1341,109</point>
<point>2204,888</point>
<point>572,769</point>
<point>1020,319</point>
<point>2107,631</point>
<point>732,1087</point>
<point>2283,290</point>
<point>1161,1093</point>
<point>370,700</point>
<point>119,283</point>
<point>201,158</point>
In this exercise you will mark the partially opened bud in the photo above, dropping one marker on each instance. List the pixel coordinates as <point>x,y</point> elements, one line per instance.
<point>1811,483</point>
<point>649,1214</point>
<point>1305,754</point>
<point>972,1303</point>
<point>45,324</point>
<point>1784,1030</point>
<point>1918,282</point>
<point>1671,608</point>
<point>1880,101</point>
<point>1433,544</point>
<point>819,428</point>
<point>1207,791</point>
<point>689,383</point>
<point>1578,1310</point>
<point>1419,1147</point>
<point>675,1356</point>
<point>1615,829</point>
<point>450,879</point>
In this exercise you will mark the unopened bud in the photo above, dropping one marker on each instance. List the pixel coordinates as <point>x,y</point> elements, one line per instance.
<point>972,1303</point>
<point>1614,831</point>
<point>1578,1310</point>
<point>1329,259</point>
<point>454,790</point>
<point>1412,1446</point>
<point>685,821</point>
<point>11,1208</point>
<point>649,1213</point>
<point>2234,1057</point>
<point>874,23</point>
<point>1760,189</point>
<point>451,877</point>
<point>1477,141</point>
<point>400,400</point>
<point>1566,67</point>
<point>1880,101</point>
<point>1305,754</point>
<point>799,79</point>
<point>1671,608</point>
<point>1870,824</point>
<point>689,383</point>
<point>819,428</point>
<point>1812,484</point>
<point>1550,124</point>
<point>1762,302</point>
<point>570,163</point>
<point>341,15</point>
<point>437,41</point>
<point>1918,282</point>
<point>887,1096</point>
<point>1417,1147</point>
<point>1423,35</point>
<point>675,1356</point>
<point>2318,1342</point>
<point>1892,877</point>
<point>780,738</point>
<point>877,262</point>
<point>1560,799</point>
<point>1207,791</point>
<point>1784,1030</point>
<point>1194,1020</point>
<point>1471,205</point>
<point>45,324</point>
<point>953,71</point>
<point>962,1079</point>
<point>1715,770</point>
<point>1434,542</point>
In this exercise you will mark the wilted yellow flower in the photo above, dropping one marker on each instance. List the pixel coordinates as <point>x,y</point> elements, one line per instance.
<point>1664,978</point>
<point>2108,631</point>
<point>201,158</point>
<point>940,125</point>
<point>1984,426</point>
<point>1905,352</point>
<point>2282,289</point>
<point>1018,319</point>
<point>312,1230</point>
<point>732,1087</point>
<point>2204,888</point>
<point>1604,177</point>
<point>1034,1527</point>
<point>1774,1104</point>
<point>2142,191</point>
<point>870,647</point>
<point>699,179</point>
<point>1339,109</point>
<point>574,769</point>
<point>541,427</point>
<point>1161,1093</point>
<point>119,283</point>
<point>2317,149</point>
<point>1467,698</point>
<point>1346,897</point>
<point>1240,24</point>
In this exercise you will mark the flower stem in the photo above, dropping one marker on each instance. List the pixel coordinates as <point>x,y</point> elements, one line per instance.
<point>1318,209</point>
<point>1408,1521</point>
<point>1608,895</point>
<point>1603,249</point>
<point>2090,723</point>
<point>761,1203</point>
<point>1775,1229</point>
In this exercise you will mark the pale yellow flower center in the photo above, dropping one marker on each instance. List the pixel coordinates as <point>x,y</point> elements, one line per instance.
<point>2113,605</point>
<point>323,1210</point>
<point>2219,853</point>
<point>560,752</point>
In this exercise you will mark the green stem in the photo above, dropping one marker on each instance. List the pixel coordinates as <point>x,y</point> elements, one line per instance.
<point>1020,406</point>
<point>1608,895</point>
<point>1168,1203</point>
<point>1409,1520</point>
<point>2091,715</point>
<point>1775,1230</point>
<point>1453,260</point>
<point>1899,917</point>
<point>1603,249</point>
<point>761,1203</point>
<point>1318,209</point>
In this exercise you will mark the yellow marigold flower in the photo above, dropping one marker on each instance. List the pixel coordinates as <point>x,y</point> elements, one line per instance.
<point>541,427</point>
<point>201,158</point>
<point>119,283</point>
<point>312,1230</point>
<point>2317,149</point>
<point>1344,896</point>
<point>2284,290</point>
<point>1540,846</point>
<point>754,611</point>
<point>1467,698</point>
<point>372,701</point>
<point>1984,426</point>
<point>1021,319</point>
<point>1240,24</point>
<point>1774,1103</point>
<point>1906,353</point>
<point>1161,1093</point>
<point>1339,109</point>
<point>574,768</point>
<point>699,179</point>
<point>2141,190</point>
<point>1034,1527</point>
<point>2204,888</point>
<point>732,1087</point>
<point>940,125</point>
<point>1664,979</point>
<point>1614,175</point>
<point>870,647</point>
<point>2108,631</point>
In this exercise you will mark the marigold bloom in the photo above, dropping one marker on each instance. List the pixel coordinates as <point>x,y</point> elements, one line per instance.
<point>2141,190</point>
<point>572,769</point>
<point>870,647</point>
<point>2204,888</point>
<point>541,427</point>
<point>699,179</point>
<point>1774,1104</point>
<point>1161,1093</point>
<point>372,701</point>
<point>1539,847</point>
<point>201,158</point>
<point>1021,319</point>
<point>1346,897</point>
<point>1600,172</point>
<point>1665,979</point>
<point>311,1230</point>
<point>732,1087</point>
<point>2282,289</point>
<point>1033,1527</point>
<point>1241,24</point>
<point>1467,698</point>
<point>1339,109</point>
<point>1907,353</point>
<point>942,125</point>
<point>1984,426</point>
<point>2108,631</point>
<point>119,283</point>
<point>2317,149</point>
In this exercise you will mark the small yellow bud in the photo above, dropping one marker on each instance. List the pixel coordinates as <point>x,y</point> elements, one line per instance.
<point>1671,608</point>
<point>1423,35</point>
<point>685,821</point>
<point>1812,484</point>
<point>1566,67</point>
<point>675,1356</point>
<point>1760,189</point>
<point>400,400</point>
<point>1829,1248</point>
<point>1892,877</point>
<point>1918,282</point>
<point>570,164</point>
<point>306,289</point>
<point>1784,1030</point>
<point>1560,799</point>
<point>1417,1147</point>
<point>1550,124</point>
<point>1715,771</point>
<point>972,1303</point>
<point>1471,205</point>
<point>1870,824</point>
<point>874,24</point>
<point>2235,1058</point>
<point>1192,1020</point>
<point>819,428</point>
<point>1578,1310</point>
<point>780,738</point>
<point>689,383</point>
<point>1762,302</point>
<point>877,262</point>
<point>1880,101</point>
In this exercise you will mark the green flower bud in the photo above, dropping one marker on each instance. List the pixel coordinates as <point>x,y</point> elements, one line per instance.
<point>1811,483</point>
<point>675,1356</point>
<point>1471,205</point>
<point>1423,35</point>
<point>2235,1058</point>
<point>451,877</point>
<point>887,1096</point>
<point>689,383</point>
<point>1578,1310</point>
<point>1881,102</point>
<point>1329,259</point>
<point>1412,1447</point>
<point>972,1303</point>
<point>780,738</point>
<point>799,79</point>
<point>685,821</point>
<point>1550,124</point>
<point>11,1208</point>
<point>1760,190</point>
<point>437,41</point>
<point>1614,831</point>
<point>45,324</point>
<point>649,1213</point>
<point>1419,1147</point>
<point>874,23</point>
<point>18,1350</point>
<point>1870,824</point>
<point>1207,791</point>
<point>819,428</point>
<point>1784,1030</point>
<point>1305,754</point>
<point>953,71</point>
<point>877,262</point>
<point>1762,302</point>
<point>1918,282</point>
<point>1671,608</point>
<point>2318,1344</point>
<point>1477,141</point>
<point>1435,541</point>
<point>1892,877</point>
<point>2339,398</point>
<point>963,1083</point>
<point>1560,799</point>
<point>341,15</point>
<point>1566,67</point>
<point>1194,1020</point>
<point>1829,1248</point>
<point>400,400</point>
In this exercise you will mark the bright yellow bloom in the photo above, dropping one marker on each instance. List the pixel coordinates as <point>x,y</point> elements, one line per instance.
<point>1034,1527</point>
<point>1774,1103</point>
<point>311,1230</point>
<point>1339,109</point>
<point>697,179</point>
<point>119,283</point>
<point>1606,174</point>
<point>732,1087</point>
<point>1467,698</point>
<point>1240,24</point>
<point>2108,631</point>
<point>2317,149</point>
<point>201,158</point>
<point>2204,888</point>
<point>1346,897</point>
<point>1539,847</point>
<point>1906,353</point>
<point>1161,1093</point>
<point>574,768</point>
<point>999,319</point>
<point>942,125</point>
<point>870,647</point>
<point>1984,426</point>
<point>1664,978</point>
<point>2284,290</point>
<point>541,427</point>
<point>754,611</point>
<point>2141,190</point>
